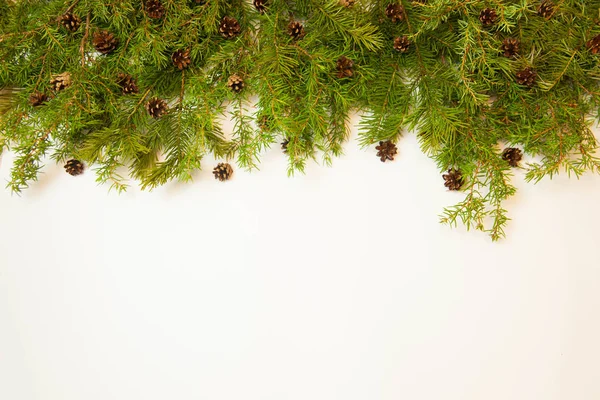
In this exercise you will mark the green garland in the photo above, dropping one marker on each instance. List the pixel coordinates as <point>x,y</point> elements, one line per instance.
<point>141,85</point>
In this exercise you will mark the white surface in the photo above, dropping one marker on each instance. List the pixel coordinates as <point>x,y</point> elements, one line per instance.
<point>339,284</point>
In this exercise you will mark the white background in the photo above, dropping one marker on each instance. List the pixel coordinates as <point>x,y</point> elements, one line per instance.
<point>338,284</point>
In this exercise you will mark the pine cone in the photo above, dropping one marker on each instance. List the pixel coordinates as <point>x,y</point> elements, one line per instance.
<point>181,59</point>
<point>200,2</point>
<point>512,155</point>
<point>296,30</point>
<point>387,150</point>
<point>70,22</point>
<point>284,145</point>
<point>156,107</point>
<point>510,47</point>
<point>105,42</point>
<point>155,9</point>
<point>402,44</point>
<point>593,44</point>
<point>235,83</point>
<point>223,172</point>
<point>395,12</point>
<point>546,9</point>
<point>345,67</point>
<point>347,3</point>
<point>488,16</point>
<point>453,179</point>
<point>229,27</point>
<point>37,99</point>
<point>526,77</point>
<point>260,5</point>
<point>127,83</point>
<point>61,81</point>
<point>74,167</point>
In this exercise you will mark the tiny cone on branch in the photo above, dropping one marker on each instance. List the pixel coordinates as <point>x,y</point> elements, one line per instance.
<point>284,145</point>
<point>453,180</point>
<point>260,5</point>
<point>395,12</point>
<point>71,22</point>
<point>546,9</point>
<point>155,9</point>
<point>105,42</point>
<point>235,83</point>
<point>526,77</point>
<point>344,67</point>
<point>510,47</point>
<point>512,155</point>
<point>74,167</point>
<point>488,16</point>
<point>296,30</point>
<point>593,45</point>
<point>61,81</point>
<point>156,107</point>
<point>37,99</point>
<point>402,44</point>
<point>386,150</point>
<point>127,83</point>
<point>223,172</point>
<point>229,27</point>
<point>181,59</point>
<point>347,3</point>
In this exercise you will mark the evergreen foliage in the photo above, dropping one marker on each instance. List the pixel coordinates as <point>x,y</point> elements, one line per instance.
<point>140,85</point>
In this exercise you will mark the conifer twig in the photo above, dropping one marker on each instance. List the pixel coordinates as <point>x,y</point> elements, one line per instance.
<point>83,40</point>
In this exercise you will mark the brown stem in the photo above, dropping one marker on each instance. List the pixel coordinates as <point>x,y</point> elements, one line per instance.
<point>72,6</point>
<point>85,36</point>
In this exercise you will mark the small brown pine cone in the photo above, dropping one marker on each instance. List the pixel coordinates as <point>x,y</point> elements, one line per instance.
<point>510,47</point>
<point>296,30</point>
<point>156,107</point>
<point>200,2</point>
<point>105,42</point>
<point>344,67</point>
<point>127,84</point>
<point>284,145</point>
<point>181,59</point>
<point>386,151</point>
<point>155,9</point>
<point>347,3</point>
<point>395,12</point>
<point>512,155</point>
<point>526,77</point>
<point>260,5</point>
<point>488,16</point>
<point>61,81</point>
<point>593,45</point>
<point>37,99</point>
<point>453,180</point>
<point>229,27</point>
<point>402,44</point>
<point>546,9</point>
<point>74,167</point>
<point>71,22</point>
<point>223,172</point>
<point>235,83</point>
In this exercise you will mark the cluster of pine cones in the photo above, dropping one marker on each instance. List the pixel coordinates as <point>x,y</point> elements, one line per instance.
<point>106,42</point>
<point>453,179</point>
